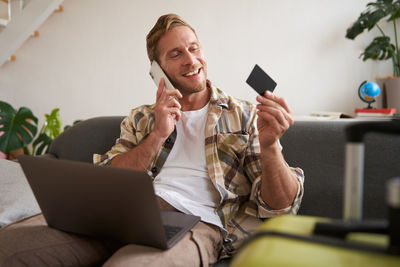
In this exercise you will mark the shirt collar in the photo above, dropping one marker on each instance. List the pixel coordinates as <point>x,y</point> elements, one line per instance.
<point>217,96</point>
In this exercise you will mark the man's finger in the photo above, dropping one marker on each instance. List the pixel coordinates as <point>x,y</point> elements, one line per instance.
<point>175,93</point>
<point>277,100</point>
<point>174,102</point>
<point>286,116</point>
<point>176,112</point>
<point>278,114</point>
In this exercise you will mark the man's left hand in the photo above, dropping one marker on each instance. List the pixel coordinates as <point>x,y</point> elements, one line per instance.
<point>274,118</point>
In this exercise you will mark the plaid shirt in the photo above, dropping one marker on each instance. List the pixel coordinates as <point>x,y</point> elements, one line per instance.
<point>233,160</point>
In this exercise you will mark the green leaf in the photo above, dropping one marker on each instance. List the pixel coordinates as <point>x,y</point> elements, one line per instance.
<point>69,126</point>
<point>52,127</point>
<point>41,144</point>
<point>369,18</point>
<point>395,15</point>
<point>18,127</point>
<point>354,30</point>
<point>379,49</point>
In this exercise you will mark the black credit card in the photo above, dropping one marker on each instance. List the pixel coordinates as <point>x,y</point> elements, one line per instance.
<point>260,81</point>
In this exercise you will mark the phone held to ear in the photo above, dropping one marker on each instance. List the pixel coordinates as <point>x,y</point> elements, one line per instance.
<point>157,73</point>
<point>260,81</point>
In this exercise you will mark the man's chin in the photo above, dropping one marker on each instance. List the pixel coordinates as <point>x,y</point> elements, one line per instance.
<point>187,89</point>
<point>195,89</point>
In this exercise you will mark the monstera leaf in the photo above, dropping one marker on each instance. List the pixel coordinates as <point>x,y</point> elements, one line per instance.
<point>374,13</point>
<point>17,128</point>
<point>380,48</point>
<point>41,144</point>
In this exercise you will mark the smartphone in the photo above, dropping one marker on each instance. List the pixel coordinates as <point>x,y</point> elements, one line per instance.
<point>260,81</point>
<point>157,73</point>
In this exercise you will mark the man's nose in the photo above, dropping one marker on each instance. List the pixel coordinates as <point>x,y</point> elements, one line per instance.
<point>189,58</point>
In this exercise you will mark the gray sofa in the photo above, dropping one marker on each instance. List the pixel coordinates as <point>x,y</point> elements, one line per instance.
<point>315,146</point>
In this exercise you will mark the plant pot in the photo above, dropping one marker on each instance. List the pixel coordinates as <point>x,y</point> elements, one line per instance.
<point>15,153</point>
<point>391,93</point>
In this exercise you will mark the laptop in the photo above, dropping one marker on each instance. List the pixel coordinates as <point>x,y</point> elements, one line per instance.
<point>103,202</point>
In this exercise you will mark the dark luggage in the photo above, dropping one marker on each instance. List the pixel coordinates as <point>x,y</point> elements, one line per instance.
<point>313,241</point>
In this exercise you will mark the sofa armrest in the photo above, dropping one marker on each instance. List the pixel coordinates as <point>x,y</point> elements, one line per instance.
<point>47,155</point>
<point>82,140</point>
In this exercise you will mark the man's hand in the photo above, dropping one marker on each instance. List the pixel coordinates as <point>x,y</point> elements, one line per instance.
<point>274,118</point>
<point>167,110</point>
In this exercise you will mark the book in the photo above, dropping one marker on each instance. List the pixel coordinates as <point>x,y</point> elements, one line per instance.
<point>375,112</point>
<point>330,115</point>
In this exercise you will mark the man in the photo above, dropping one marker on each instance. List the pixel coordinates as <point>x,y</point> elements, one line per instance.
<point>209,154</point>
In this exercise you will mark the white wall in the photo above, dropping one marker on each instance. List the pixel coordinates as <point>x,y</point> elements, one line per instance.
<point>90,60</point>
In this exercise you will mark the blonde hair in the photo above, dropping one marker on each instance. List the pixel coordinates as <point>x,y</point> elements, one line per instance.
<point>163,24</point>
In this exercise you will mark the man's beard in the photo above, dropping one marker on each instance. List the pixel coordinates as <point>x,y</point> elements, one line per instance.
<point>188,89</point>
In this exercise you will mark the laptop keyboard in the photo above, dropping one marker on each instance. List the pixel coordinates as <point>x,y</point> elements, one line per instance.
<point>170,230</point>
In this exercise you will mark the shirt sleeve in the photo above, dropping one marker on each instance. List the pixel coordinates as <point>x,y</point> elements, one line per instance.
<point>264,211</point>
<point>127,140</point>
<point>252,167</point>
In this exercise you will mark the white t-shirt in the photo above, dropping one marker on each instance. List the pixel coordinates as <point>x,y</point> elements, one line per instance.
<point>183,180</point>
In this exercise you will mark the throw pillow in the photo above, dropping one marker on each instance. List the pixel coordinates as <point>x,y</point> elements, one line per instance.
<point>16,198</point>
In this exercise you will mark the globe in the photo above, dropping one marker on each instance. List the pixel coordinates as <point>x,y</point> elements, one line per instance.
<point>368,92</point>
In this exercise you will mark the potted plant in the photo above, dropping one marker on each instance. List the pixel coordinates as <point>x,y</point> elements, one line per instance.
<point>381,47</point>
<point>18,129</point>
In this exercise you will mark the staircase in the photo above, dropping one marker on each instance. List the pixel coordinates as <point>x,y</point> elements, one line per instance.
<point>19,19</point>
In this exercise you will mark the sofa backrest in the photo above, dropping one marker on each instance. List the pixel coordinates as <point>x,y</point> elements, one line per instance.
<point>315,146</point>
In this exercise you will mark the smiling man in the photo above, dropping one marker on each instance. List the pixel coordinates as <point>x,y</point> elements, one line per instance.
<point>209,154</point>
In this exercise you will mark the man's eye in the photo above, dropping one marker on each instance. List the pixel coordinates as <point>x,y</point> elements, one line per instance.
<point>174,55</point>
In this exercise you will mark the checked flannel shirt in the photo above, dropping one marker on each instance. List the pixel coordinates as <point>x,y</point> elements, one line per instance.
<point>232,157</point>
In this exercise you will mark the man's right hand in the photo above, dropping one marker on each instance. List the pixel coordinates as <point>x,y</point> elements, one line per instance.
<point>167,110</point>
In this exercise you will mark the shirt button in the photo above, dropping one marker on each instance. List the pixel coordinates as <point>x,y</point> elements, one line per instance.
<point>154,170</point>
<point>168,140</point>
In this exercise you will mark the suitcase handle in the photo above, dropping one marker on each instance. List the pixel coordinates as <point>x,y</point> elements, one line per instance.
<point>340,229</point>
<point>354,165</point>
<point>356,131</point>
